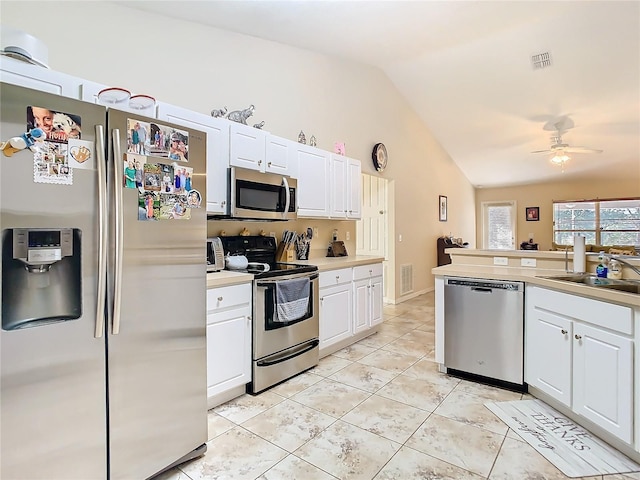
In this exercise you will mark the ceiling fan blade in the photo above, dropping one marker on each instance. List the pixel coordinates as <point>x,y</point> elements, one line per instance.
<point>542,151</point>
<point>581,150</point>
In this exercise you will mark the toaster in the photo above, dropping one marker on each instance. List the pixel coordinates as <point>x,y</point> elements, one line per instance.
<point>215,254</point>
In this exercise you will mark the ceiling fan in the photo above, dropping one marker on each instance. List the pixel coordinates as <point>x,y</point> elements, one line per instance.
<point>558,148</point>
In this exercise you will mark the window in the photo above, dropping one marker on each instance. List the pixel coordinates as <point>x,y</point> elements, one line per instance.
<point>499,225</point>
<point>602,222</point>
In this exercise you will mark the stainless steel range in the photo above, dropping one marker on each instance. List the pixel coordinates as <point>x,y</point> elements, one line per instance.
<point>285,312</point>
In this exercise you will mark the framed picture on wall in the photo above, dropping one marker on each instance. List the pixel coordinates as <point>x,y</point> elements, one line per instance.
<point>443,208</point>
<point>533,214</point>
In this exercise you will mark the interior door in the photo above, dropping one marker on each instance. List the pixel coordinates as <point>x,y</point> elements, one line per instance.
<point>371,230</point>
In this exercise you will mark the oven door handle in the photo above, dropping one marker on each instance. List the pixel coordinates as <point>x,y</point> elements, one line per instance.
<point>288,354</point>
<point>267,283</point>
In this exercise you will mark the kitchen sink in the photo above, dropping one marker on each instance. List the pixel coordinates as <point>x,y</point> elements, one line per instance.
<point>629,286</point>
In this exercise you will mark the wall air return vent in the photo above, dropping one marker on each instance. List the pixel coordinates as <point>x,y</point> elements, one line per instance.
<point>541,60</point>
<point>406,279</point>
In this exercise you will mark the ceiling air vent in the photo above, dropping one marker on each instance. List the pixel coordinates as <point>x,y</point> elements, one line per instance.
<point>541,60</point>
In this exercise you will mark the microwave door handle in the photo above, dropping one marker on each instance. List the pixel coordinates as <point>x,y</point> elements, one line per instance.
<point>288,197</point>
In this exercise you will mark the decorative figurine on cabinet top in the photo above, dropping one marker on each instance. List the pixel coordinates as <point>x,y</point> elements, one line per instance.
<point>219,113</point>
<point>312,141</point>
<point>241,116</point>
<point>301,138</point>
<point>259,125</point>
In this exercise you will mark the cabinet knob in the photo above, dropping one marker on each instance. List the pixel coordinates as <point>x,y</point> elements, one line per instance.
<point>259,162</point>
<point>337,278</point>
<point>381,212</point>
<point>224,202</point>
<point>219,299</point>
<point>578,337</point>
<point>269,164</point>
<point>564,332</point>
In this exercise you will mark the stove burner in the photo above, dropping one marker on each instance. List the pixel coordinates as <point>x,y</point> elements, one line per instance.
<point>261,250</point>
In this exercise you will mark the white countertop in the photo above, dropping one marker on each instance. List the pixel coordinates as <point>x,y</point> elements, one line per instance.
<point>333,263</point>
<point>227,277</point>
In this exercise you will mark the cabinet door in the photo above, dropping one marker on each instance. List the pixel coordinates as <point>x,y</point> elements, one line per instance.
<point>313,182</point>
<point>354,190</point>
<point>228,350</point>
<point>548,354</point>
<point>217,131</point>
<point>247,147</point>
<point>603,379</point>
<point>361,305</point>
<point>376,301</point>
<point>23,74</point>
<point>277,155</point>
<point>338,186</point>
<point>335,314</point>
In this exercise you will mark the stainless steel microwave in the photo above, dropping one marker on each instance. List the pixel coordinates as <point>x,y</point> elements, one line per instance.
<point>262,196</point>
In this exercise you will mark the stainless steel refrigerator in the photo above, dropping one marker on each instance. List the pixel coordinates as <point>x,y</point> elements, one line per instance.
<point>103,347</point>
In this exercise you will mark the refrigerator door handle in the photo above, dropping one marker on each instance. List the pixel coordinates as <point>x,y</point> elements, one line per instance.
<point>119,224</point>
<point>102,230</point>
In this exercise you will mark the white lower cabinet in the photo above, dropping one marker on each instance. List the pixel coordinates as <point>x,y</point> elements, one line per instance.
<point>350,305</point>
<point>579,351</point>
<point>367,288</point>
<point>228,339</point>
<point>335,306</point>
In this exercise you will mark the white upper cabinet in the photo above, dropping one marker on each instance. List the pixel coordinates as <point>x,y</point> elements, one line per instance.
<point>247,148</point>
<point>278,156</point>
<point>345,188</point>
<point>354,192</point>
<point>338,186</point>
<point>39,78</point>
<point>313,181</point>
<point>217,131</point>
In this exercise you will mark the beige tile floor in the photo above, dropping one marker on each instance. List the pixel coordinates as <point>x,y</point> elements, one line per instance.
<point>378,409</point>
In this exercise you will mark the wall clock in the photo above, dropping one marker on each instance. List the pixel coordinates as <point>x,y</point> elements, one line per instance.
<point>380,157</point>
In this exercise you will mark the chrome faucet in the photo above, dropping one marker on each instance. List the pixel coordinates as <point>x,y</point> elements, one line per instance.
<point>614,257</point>
<point>566,261</point>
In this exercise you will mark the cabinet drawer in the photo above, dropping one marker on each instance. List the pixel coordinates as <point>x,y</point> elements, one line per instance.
<point>367,271</point>
<point>603,314</point>
<point>233,296</point>
<point>335,277</point>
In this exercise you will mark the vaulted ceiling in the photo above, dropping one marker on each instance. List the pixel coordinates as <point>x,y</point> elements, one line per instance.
<point>466,68</point>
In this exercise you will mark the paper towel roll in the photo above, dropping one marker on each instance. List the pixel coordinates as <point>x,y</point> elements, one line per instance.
<point>579,258</point>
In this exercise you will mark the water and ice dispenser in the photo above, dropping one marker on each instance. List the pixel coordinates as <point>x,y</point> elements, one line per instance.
<point>41,276</point>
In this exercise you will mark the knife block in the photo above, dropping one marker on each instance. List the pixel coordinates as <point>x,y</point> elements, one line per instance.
<point>286,252</point>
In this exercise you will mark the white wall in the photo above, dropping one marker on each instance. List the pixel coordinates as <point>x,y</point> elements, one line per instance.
<point>202,68</point>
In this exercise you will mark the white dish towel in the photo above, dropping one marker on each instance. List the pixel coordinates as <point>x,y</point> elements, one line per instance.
<point>292,299</point>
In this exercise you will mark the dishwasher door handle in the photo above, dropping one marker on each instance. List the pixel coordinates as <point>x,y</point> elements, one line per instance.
<point>482,290</point>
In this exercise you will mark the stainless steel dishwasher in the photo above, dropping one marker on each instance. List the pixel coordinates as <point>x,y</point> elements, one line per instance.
<point>484,330</point>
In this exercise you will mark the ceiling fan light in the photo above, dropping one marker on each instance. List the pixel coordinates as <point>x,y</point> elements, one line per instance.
<point>559,159</point>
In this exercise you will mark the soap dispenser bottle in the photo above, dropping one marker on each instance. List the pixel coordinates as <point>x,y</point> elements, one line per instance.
<point>601,269</point>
